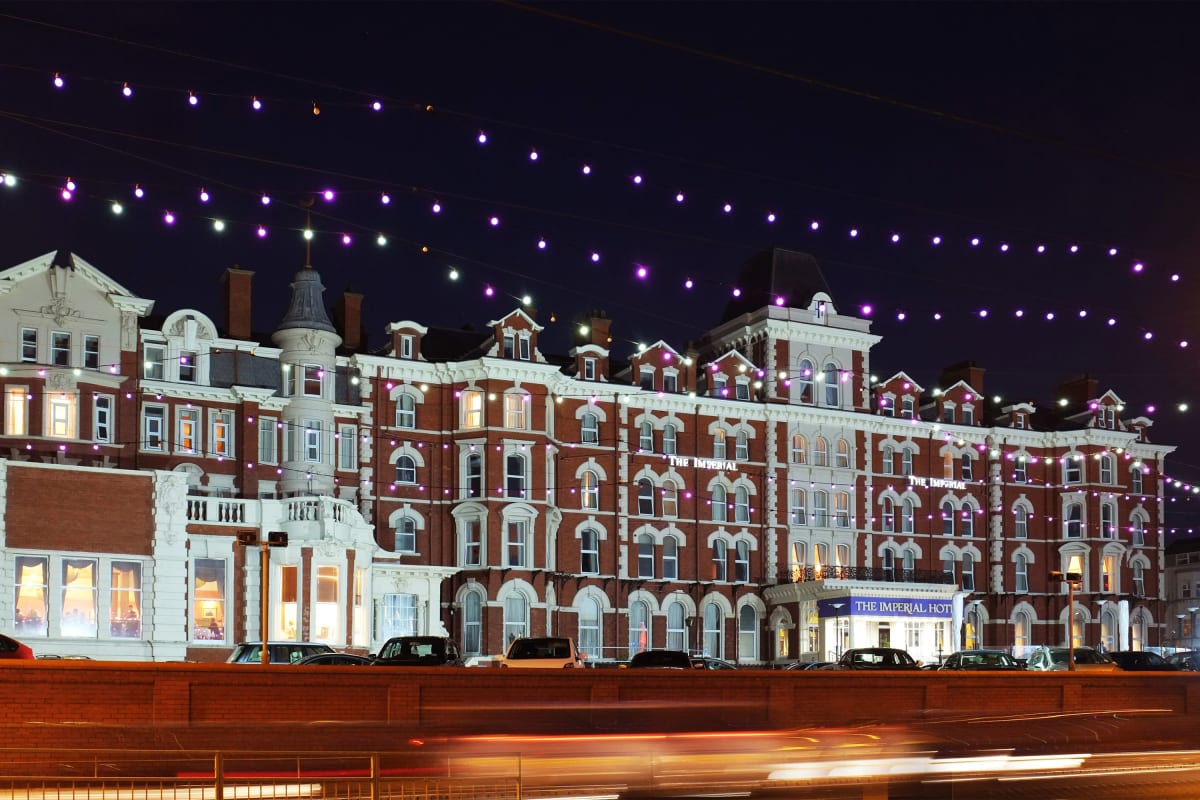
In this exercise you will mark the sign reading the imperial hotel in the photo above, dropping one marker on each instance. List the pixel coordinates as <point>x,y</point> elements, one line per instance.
<point>936,483</point>
<point>704,463</point>
<point>885,607</point>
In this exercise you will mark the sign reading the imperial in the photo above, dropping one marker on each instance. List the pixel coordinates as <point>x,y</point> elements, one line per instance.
<point>884,607</point>
<point>703,463</point>
<point>936,483</point>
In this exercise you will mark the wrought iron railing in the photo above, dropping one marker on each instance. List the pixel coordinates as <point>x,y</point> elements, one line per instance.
<point>877,574</point>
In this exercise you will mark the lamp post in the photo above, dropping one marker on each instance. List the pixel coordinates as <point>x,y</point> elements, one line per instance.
<point>274,539</point>
<point>837,629</point>
<point>1073,578</point>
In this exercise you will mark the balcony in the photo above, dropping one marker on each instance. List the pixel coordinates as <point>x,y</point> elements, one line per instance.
<point>304,518</point>
<point>872,574</point>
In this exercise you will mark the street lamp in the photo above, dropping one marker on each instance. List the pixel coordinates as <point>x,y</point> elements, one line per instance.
<point>1073,578</point>
<point>274,539</point>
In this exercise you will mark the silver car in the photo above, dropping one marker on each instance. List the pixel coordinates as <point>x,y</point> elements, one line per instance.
<point>1057,659</point>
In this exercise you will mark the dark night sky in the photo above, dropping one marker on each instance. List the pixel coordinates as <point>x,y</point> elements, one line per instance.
<point>1022,123</point>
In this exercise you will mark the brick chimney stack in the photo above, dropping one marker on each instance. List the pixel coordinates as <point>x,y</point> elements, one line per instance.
<point>237,302</point>
<point>598,327</point>
<point>347,317</point>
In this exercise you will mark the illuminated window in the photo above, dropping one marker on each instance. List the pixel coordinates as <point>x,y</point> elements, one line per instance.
<point>62,413</point>
<point>589,490</point>
<point>820,452</point>
<point>208,600</point>
<point>841,509</point>
<point>472,408</point>
<point>676,627</point>
<point>719,443</point>
<point>154,428</point>
<point>1107,574</point>
<point>16,415</point>
<point>514,410</point>
<point>79,586</point>
<point>125,600</point>
<point>220,433</point>
<point>285,583</point>
<point>670,499</point>
<point>842,454</point>
<point>32,575</point>
<point>639,627</point>
<point>799,452</point>
<point>398,615</point>
<point>359,612</point>
<point>187,430</point>
<point>327,616</point>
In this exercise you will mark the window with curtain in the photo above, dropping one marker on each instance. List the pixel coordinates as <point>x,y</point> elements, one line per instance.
<point>714,631</point>
<point>397,615</point>
<point>670,558</point>
<point>747,634</point>
<point>645,555</point>
<point>741,562</point>
<point>639,627</point>
<point>589,551</point>
<point>590,644</point>
<point>285,624</point>
<point>208,600</point>
<point>720,559</point>
<point>472,623</point>
<point>327,612</point>
<point>676,627</point>
<point>719,501</point>
<point>125,600</point>
<point>590,428</point>
<point>30,616</point>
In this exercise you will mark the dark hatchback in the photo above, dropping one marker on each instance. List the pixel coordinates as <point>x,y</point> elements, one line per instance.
<point>1141,661</point>
<point>875,658</point>
<point>419,651</point>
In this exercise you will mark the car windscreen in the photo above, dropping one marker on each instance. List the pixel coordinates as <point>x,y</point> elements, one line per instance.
<point>540,648</point>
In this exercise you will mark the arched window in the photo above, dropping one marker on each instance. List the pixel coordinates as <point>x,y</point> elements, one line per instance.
<point>516,617</point>
<point>406,535</point>
<point>714,631</point>
<point>590,628</point>
<point>888,515</point>
<point>1020,522</point>
<point>639,627</point>
<point>1135,479</point>
<point>1073,521</point>
<point>589,551</point>
<point>645,497</point>
<point>909,565</point>
<point>720,558</point>
<point>833,387</point>
<point>589,490</point>
<point>842,456</point>
<point>514,475</point>
<point>719,443</point>
<point>406,470</point>
<point>406,411</point>
<point>968,573</point>
<point>1137,529</point>
<point>804,382</point>
<point>741,447</point>
<point>947,518</point>
<point>590,428</point>
<point>646,438</point>
<point>676,627</point>
<point>820,452</point>
<point>1108,521</point>
<point>670,499</point>
<point>719,501</point>
<point>907,513</point>
<point>747,634</point>
<point>968,520</point>
<point>888,461</point>
<point>841,509</point>
<point>799,454</point>
<point>670,437</point>
<point>645,555</point>
<point>967,468</point>
<point>670,558</point>
<point>1106,468</point>
<point>741,562</point>
<point>474,477</point>
<point>1022,630</point>
<point>889,565</point>
<point>472,623</point>
<point>741,504</point>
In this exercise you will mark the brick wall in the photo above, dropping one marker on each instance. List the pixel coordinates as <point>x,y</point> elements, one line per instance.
<point>79,509</point>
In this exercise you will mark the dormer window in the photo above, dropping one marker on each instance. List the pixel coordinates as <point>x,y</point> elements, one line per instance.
<point>947,413</point>
<point>670,383</point>
<point>187,366</point>
<point>589,369</point>
<point>509,345</point>
<point>968,415</point>
<point>742,389</point>
<point>887,406</point>
<point>313,377</point>
<point>1018,420</point>
<point>523,348</point>
<point>406,346</point>
<point>646,378</point>
<point>906,407</point>
<point>1106,417</point>
<point>718,385</point>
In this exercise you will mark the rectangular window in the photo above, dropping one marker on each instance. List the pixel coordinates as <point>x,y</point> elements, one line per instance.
<point>670,383</point>
<point>187,430</point>
<point>742,390</point>
<point>326,622</point>
<point>32,602</point>
<point>220,433</point>
<point>670,559</point>
<point>312,441</point>
<point>347,447</point>
<point>268,440</point>
<point>523,348</point>
<point>509,344</point>
<point>60,349</point>
<point>967,470</point>
<point>906,462</point>
<point>154,428</point>
<point>187,366</point>
<point>91,351</point>
<point>589,552</point>
<point>1106,574</point>
<point>314,377</point>
<point>208,599</point>
<point>359,618</point>
<point>589,369</point>
<point>1020,473</point>
<point>514,411</point>
<point>283,625</point>
<point>152,365</point>
<point>79,586</point>
<point>906,407</point>
<point>472,542</point>
<point>514,543</point>
<point>472,408</point>
<point>646,378</point>
<point>102,418</point>
<point>406,346</point>
<point>125,600</point>
<point>719,444</point>
<point>29,345</point>
<point>968,415</point>
<point>397,615</point>
<point>60,420</point>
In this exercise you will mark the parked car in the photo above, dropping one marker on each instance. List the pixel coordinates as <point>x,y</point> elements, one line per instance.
<point>660,659</point>
<point>336,660</point>
<point>1057,659</point>
<point>980,660</point>
<point>709,662</point>
<point>1187,661</point>
<point>419,651</point>
<point>807,665</point>
<point>546,652</point>
<point>11,648</point>
<point>874,658</point>
<point>1141,661</point>
<point>277,652</point>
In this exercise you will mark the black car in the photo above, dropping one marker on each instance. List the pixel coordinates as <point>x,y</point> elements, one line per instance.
<point>980,660</point>
<point>875,658</point>
<point>336,660</point>
<point>1141,661</point>
<point>419,651</point>
<point>661,659</point>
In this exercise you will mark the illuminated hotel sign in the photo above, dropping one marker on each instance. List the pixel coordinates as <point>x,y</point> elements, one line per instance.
<point>937,483</point>
<point>884,607</point>
<point>704,463</point>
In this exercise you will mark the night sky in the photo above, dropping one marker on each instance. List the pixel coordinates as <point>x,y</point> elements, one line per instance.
<point>1030,125</point>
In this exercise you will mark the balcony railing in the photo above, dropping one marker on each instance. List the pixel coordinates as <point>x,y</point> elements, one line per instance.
<point>877,574</point>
